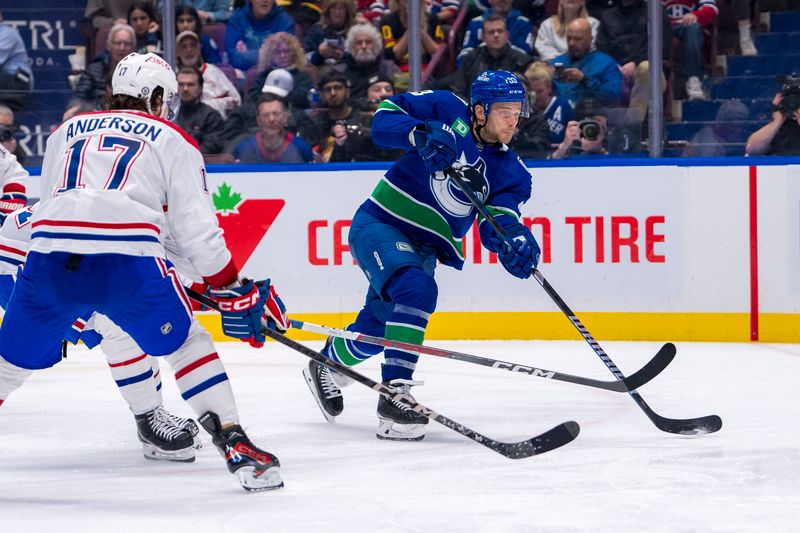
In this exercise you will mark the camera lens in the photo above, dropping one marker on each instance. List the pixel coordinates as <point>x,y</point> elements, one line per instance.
<point>590,130</point>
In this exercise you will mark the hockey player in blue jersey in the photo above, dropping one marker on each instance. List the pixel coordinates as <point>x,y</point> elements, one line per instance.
<point>416,216</point>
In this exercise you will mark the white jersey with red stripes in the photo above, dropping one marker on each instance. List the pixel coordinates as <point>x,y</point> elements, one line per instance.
<point>118,182</point>
<point>15,241</point>
<point>15,237</point>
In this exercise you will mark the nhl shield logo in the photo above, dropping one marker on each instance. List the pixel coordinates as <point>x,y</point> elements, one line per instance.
<point>166,328</point>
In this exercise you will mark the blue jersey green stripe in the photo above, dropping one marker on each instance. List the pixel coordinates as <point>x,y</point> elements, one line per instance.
<point>401,205</point>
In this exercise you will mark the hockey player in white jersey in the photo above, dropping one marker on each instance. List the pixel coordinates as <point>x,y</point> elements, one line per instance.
<point>164,436</point>
<point>113,184</point>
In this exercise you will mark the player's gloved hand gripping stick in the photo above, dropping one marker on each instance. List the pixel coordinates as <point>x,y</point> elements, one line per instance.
<point>436,144</point>
<point>689,426</point>
<point>248,307</point>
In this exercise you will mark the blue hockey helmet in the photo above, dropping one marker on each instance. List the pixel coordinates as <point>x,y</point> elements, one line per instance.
<point>493,86</point>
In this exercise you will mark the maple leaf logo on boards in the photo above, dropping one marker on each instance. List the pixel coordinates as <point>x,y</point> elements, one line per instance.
<point>225,200</point>
<point>244,222</point>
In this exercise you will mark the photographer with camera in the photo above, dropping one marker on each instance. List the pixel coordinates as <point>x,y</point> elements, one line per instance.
<point>782,135</point>
<point>334,112</point>
<point>353,142</point>
<point>587,137</point>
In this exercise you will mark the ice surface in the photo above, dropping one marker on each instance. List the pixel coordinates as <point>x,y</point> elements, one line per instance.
<point>70,460</point>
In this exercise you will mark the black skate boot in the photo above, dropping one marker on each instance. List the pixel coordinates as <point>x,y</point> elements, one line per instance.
<point>395,420</point>
<point>326,392</point>
<point>255,468</point>
<point>162,438</point>
<point>186,424</point>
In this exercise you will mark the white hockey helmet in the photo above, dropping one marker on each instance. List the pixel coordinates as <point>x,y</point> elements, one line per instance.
<point>138,75</point>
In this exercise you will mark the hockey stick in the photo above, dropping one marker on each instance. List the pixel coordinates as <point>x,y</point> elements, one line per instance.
<point>550,440</point>
<point>685,426</point>
<point>654,367</point>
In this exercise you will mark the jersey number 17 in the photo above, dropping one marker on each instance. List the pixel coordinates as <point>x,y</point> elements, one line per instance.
<point>127,150</point>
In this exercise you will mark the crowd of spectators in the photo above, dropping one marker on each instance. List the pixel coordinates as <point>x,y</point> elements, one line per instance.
<point>292,81</point>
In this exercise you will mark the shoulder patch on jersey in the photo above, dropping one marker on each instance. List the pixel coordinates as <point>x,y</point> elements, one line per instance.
<point>460,127</point>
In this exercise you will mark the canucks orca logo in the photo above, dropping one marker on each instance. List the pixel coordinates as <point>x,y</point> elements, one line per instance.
<point>448,195</point>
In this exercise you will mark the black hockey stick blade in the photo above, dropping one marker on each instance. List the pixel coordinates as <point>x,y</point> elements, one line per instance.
<point>702,425</point>
<point>653,368</point>
<point>550,440</point>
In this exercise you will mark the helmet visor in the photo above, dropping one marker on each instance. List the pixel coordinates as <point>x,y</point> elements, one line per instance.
<point>524,110</point>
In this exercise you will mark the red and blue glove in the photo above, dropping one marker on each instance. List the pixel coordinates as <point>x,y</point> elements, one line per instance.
<point>436,144</point>
<point>523,257</point>
<point>248,308</point>
<point>10,202</point>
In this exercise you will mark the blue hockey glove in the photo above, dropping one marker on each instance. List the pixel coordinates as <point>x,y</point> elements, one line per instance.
<point>520,260</point>
<point>243,309</point>
<point>436,145</point>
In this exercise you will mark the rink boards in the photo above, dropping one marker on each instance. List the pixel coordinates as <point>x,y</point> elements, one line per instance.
<point>638,252</point>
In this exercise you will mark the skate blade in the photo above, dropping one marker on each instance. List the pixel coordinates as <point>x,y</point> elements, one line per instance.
<point>310,382</point>
<point>154,453</point>
<point>268,480</point>
<point>389,430</point>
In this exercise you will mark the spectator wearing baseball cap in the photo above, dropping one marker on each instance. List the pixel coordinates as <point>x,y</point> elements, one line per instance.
<point>242,121</point>
<point>278,82</point>
<point>218,91</point>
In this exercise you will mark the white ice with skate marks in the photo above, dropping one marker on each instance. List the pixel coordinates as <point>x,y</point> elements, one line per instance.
<point>69,457</point>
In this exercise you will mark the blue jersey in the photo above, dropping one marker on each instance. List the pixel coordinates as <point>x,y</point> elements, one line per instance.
<point>428,207</point>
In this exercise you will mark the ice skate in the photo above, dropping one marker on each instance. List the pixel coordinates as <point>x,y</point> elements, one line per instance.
<point>162,439</point>
<point>189,425</point>
<point>395,420</point>
<point>256,469</point>
<point>327,394</point>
